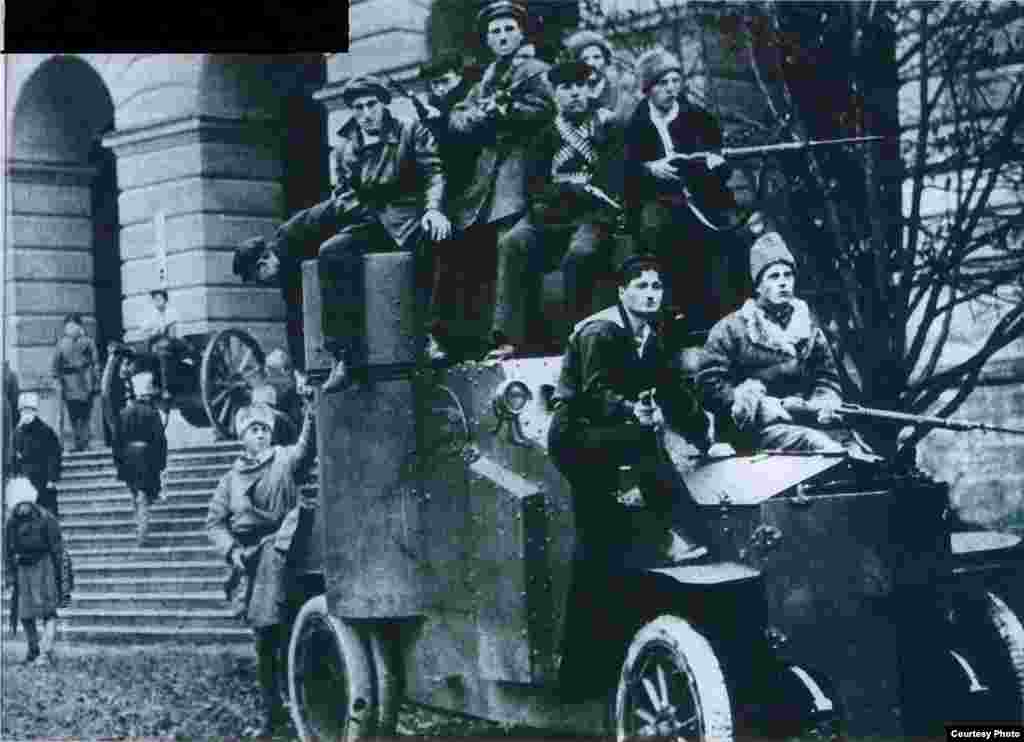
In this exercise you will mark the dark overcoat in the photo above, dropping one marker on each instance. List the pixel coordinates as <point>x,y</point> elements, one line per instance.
<point>497,188</point>
<point>37,453</point>
<point>33,555</point>
<point>141,451</point>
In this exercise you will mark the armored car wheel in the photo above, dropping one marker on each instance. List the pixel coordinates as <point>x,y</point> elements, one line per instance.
<point>386,682</point>
<point>330,681</point>
<point>987,653</point>
<point>233,363</point>
<point>671,686</point>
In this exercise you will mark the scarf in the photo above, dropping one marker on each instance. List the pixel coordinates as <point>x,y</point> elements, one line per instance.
<point>792,340</point>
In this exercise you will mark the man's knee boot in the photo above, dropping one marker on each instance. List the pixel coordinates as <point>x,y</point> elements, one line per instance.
<point>141,517</point>
<point>49,638</point>
<point>32,636</point>
<point>267,661</point>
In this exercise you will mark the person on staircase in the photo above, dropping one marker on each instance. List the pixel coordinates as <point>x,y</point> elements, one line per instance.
<point>140,450</point>
<point>75,364</point>
<point>33,559</point>
<point>260,525</point>
<point>37,452</point>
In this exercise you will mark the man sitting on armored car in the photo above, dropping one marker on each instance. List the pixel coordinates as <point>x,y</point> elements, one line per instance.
<point>390,187</point>
<point>770,357</point>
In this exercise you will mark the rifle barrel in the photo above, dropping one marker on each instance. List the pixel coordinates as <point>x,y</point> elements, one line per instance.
<point>767,149</point>
<point>928,420</point>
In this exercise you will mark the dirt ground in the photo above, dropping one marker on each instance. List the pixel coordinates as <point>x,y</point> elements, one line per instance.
<point>158,693</point>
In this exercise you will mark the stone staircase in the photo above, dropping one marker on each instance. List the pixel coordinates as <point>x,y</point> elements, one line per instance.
<point>169,591</point>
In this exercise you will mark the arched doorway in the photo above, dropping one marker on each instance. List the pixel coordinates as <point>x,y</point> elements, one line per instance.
<point>63,242</point>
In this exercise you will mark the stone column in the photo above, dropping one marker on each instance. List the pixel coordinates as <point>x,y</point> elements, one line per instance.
<point>49,267</point>
<point>211,183</point>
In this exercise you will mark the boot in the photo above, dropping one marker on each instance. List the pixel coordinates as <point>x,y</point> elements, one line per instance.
<point>32,636</point>
<point>48,639</point>
<point>141,519</point>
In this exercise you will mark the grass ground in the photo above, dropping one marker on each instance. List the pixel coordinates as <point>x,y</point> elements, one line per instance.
<point>157,693</point>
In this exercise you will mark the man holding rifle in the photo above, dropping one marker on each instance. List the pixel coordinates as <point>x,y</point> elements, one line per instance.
<point>769,358</point>
<point>501,115</point>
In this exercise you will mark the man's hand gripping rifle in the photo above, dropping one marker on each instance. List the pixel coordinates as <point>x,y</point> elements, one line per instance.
<point>501,99</point>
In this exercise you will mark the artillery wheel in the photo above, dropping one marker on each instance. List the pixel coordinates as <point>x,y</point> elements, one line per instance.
<point>387,683</point>
<point>671,685</point>
<point>987,645</point>
<point>330,681</point>
<point>232,365</point>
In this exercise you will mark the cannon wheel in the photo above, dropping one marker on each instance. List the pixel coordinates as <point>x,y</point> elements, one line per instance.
<point>330,681</point>
<point>671,686</point>
<point>232,361</point>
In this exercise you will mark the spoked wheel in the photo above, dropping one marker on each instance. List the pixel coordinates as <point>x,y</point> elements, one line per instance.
<point>330,681</point>
<point>671,687</point>
<point>232,365</point>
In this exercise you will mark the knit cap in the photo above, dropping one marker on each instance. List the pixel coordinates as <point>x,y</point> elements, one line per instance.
<point>767,250</point>
<point>654,65</point>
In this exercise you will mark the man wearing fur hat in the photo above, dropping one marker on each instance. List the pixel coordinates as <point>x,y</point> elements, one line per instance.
<point>501,115</point>
<point>664,126</point>
<point>259,523</point>
<point>771,349</point>
<point>37,451</point>
<point>611,88</point>
<point>569,180</point>
<point>615,392</point>
<point>388,196</point>
<point>140,450</point>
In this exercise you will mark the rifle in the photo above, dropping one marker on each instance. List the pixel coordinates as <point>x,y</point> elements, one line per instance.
<point>847,409</point>
<point>422,112</point>
<point>505,94</point>
<point>697,200</point>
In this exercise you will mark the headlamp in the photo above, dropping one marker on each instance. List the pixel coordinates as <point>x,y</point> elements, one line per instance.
<point>511,398</point>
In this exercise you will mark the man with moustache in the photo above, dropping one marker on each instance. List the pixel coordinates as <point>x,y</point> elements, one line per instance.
<point>612,89</point>
<point>389,194</point>
<point>770,350</point>
<point>501,115</point>
<point>664,126</point>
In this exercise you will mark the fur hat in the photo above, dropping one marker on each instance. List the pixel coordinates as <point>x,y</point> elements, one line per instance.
<point>766,251</point>
<point>246,256</point>
<point>258,412</point>
<point>19,490</point>
<point>28,400</point>
<point>501,9</point>
<point>566,72</point>
<point>144,384</point>
<point>578,42</point>
<point>365,85</point>
<point>655,64</point>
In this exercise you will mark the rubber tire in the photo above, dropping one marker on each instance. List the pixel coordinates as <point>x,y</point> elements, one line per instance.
<point>355,703</point>
<point>693,657</point>
<point>387,683</point>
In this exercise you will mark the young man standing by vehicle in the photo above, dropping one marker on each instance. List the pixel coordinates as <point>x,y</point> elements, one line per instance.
<point>501,115</point>
<point>258,522</point>
<point>389,195</point>
<point>603,421</point>
<point>765,354</point>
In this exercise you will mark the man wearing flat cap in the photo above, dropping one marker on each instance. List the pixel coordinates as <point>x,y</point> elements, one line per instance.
<point>769,350</point>
<point>664,126</point>
<point>572,198</point>
<point>37,451</point>
<point>501,115</point>
<point>388,196</point>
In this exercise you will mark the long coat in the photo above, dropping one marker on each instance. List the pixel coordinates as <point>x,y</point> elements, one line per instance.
<point>75,365</point>
<point>37,453</point>
<point>256,508</point>
<point>33,552</point>
<point>497,188</point>
<point>393,181</point>
<point>141,451</point>
<point>10,417</point>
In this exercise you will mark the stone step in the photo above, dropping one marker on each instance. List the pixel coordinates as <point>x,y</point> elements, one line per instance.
<point>115,556</point>
<point>124,511</point>
<point>207,569</point>
<point>81,501</point>
<point>175,586</point>
<point>158,525</point>
<point>91,540</point>
<point>113,485</point>
<point>199,618</point>
<point>199,469</point>
<point>143,634</point>
<point>142,603</point>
